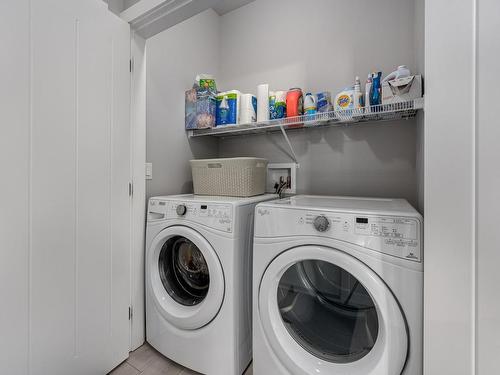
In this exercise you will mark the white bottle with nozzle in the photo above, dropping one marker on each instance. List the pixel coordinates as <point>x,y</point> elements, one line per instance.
<point>368,87</point>
<point>358,95</point>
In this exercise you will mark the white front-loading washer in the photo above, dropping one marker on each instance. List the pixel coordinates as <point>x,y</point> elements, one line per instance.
<point>338,287</point>
<point>198,280</point>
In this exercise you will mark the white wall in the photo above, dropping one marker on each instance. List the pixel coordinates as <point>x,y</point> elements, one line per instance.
<point>14,186</point>
<point>277,42</point>
<point>488,188</point>
<point>64,217</point>
<point>174,57</point>
<point>449,188</point>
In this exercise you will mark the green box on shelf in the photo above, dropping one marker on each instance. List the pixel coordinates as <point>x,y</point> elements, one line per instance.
<point>200,110</point>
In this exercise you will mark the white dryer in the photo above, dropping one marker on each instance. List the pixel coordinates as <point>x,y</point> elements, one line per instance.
<point>338,287</point>
<point>198,280</point>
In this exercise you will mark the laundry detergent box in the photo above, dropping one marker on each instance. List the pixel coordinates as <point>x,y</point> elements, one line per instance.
<point>324,101</point>
<point>199,110</point>
<point>344,100</point>
<point>228,108</point>
<point>402,89</point>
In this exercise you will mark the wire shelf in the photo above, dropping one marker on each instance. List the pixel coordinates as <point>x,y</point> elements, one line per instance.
<point>377,113</point>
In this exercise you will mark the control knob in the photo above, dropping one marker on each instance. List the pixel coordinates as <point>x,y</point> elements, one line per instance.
<point>321,223</point>
<point>181,209</point>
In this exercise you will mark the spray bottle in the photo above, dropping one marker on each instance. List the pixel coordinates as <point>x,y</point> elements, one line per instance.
<point>375,91</point>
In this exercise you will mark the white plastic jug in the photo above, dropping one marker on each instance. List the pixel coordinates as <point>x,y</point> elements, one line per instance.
<point>310,105</point>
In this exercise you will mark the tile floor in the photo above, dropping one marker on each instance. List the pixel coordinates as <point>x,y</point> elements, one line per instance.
<point>147,361</point>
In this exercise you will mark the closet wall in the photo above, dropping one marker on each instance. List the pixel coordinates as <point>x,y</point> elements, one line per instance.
<point>174,57</point>
<point>65,210</point>
<point>419,24</point>
<point>275,42</point>
<point>488,183</point>
<point>462,308</point>
<point>14,195</point>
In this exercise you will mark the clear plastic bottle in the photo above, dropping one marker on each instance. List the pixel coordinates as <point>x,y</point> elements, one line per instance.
<point>368,87</point>
<point>358,95</point>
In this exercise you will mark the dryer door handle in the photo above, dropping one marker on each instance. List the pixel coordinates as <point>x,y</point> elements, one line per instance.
<point>156,216</point>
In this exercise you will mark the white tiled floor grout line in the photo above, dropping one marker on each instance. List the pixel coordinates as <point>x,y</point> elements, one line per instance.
<point>147,361</point>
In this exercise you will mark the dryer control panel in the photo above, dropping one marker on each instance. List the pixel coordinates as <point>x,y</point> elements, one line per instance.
<point>213,215</point>
<point>393,235</point>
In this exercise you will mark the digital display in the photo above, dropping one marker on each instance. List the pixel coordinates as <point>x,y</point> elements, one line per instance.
<point>362,220</point>
<point>204,207</point>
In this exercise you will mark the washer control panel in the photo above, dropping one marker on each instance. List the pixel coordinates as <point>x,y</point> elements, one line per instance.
<point>392,235</point>
<point>399,229</point>
<point>214,215</point>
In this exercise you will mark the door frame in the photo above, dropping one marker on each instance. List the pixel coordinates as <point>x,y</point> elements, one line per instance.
<point>138,188</point>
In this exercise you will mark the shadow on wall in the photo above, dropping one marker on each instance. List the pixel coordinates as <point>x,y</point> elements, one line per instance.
<point>381,143</point>
<point>187,187</point>
<point>198,147</point>
<point>362,160</point>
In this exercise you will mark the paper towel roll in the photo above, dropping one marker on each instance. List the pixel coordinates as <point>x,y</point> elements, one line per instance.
<point>247,113</point>
<point>263,102</point>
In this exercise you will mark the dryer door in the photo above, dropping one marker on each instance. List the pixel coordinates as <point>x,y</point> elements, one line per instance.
<point>184,277</point>
<point>325,312</point>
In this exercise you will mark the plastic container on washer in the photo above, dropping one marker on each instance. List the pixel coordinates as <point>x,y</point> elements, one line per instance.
<point>233,177</point>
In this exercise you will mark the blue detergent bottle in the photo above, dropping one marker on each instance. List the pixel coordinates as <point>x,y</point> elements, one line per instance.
<point>376,89</point>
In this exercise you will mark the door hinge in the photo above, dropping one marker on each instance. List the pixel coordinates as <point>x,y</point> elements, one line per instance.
<point>130,314</point>
<point>130,189</point>
<point>131,65</point>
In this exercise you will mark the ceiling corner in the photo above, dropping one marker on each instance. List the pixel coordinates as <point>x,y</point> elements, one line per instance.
<point>225,6</point>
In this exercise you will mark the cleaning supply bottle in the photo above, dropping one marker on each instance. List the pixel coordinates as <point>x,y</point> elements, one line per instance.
<point>294,102</point>
<point>310,107</point>
<point>376,89</point>
<point>368,87</point>
<point>358,96</point>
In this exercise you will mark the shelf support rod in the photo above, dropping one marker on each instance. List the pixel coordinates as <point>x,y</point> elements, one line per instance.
<point>293,154</point>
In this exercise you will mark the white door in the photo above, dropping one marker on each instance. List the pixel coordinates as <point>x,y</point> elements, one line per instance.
<point>325,312</point>
<point>184,278</point>
<point>66,224</point>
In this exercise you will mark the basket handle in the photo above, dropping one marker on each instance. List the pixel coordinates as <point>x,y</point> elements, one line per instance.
<point>214,165</point>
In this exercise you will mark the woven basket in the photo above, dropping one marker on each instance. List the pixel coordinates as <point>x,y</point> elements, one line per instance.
<point>233,177</point>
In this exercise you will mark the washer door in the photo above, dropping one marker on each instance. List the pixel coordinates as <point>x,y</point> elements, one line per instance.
<point>325,312</point>
<point>185,277</point>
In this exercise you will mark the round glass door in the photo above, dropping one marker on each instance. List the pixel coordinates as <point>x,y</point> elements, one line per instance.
<point>324,311</point>
<point>185,280</point>
<point>184,271</point>
<point>327,311</point>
